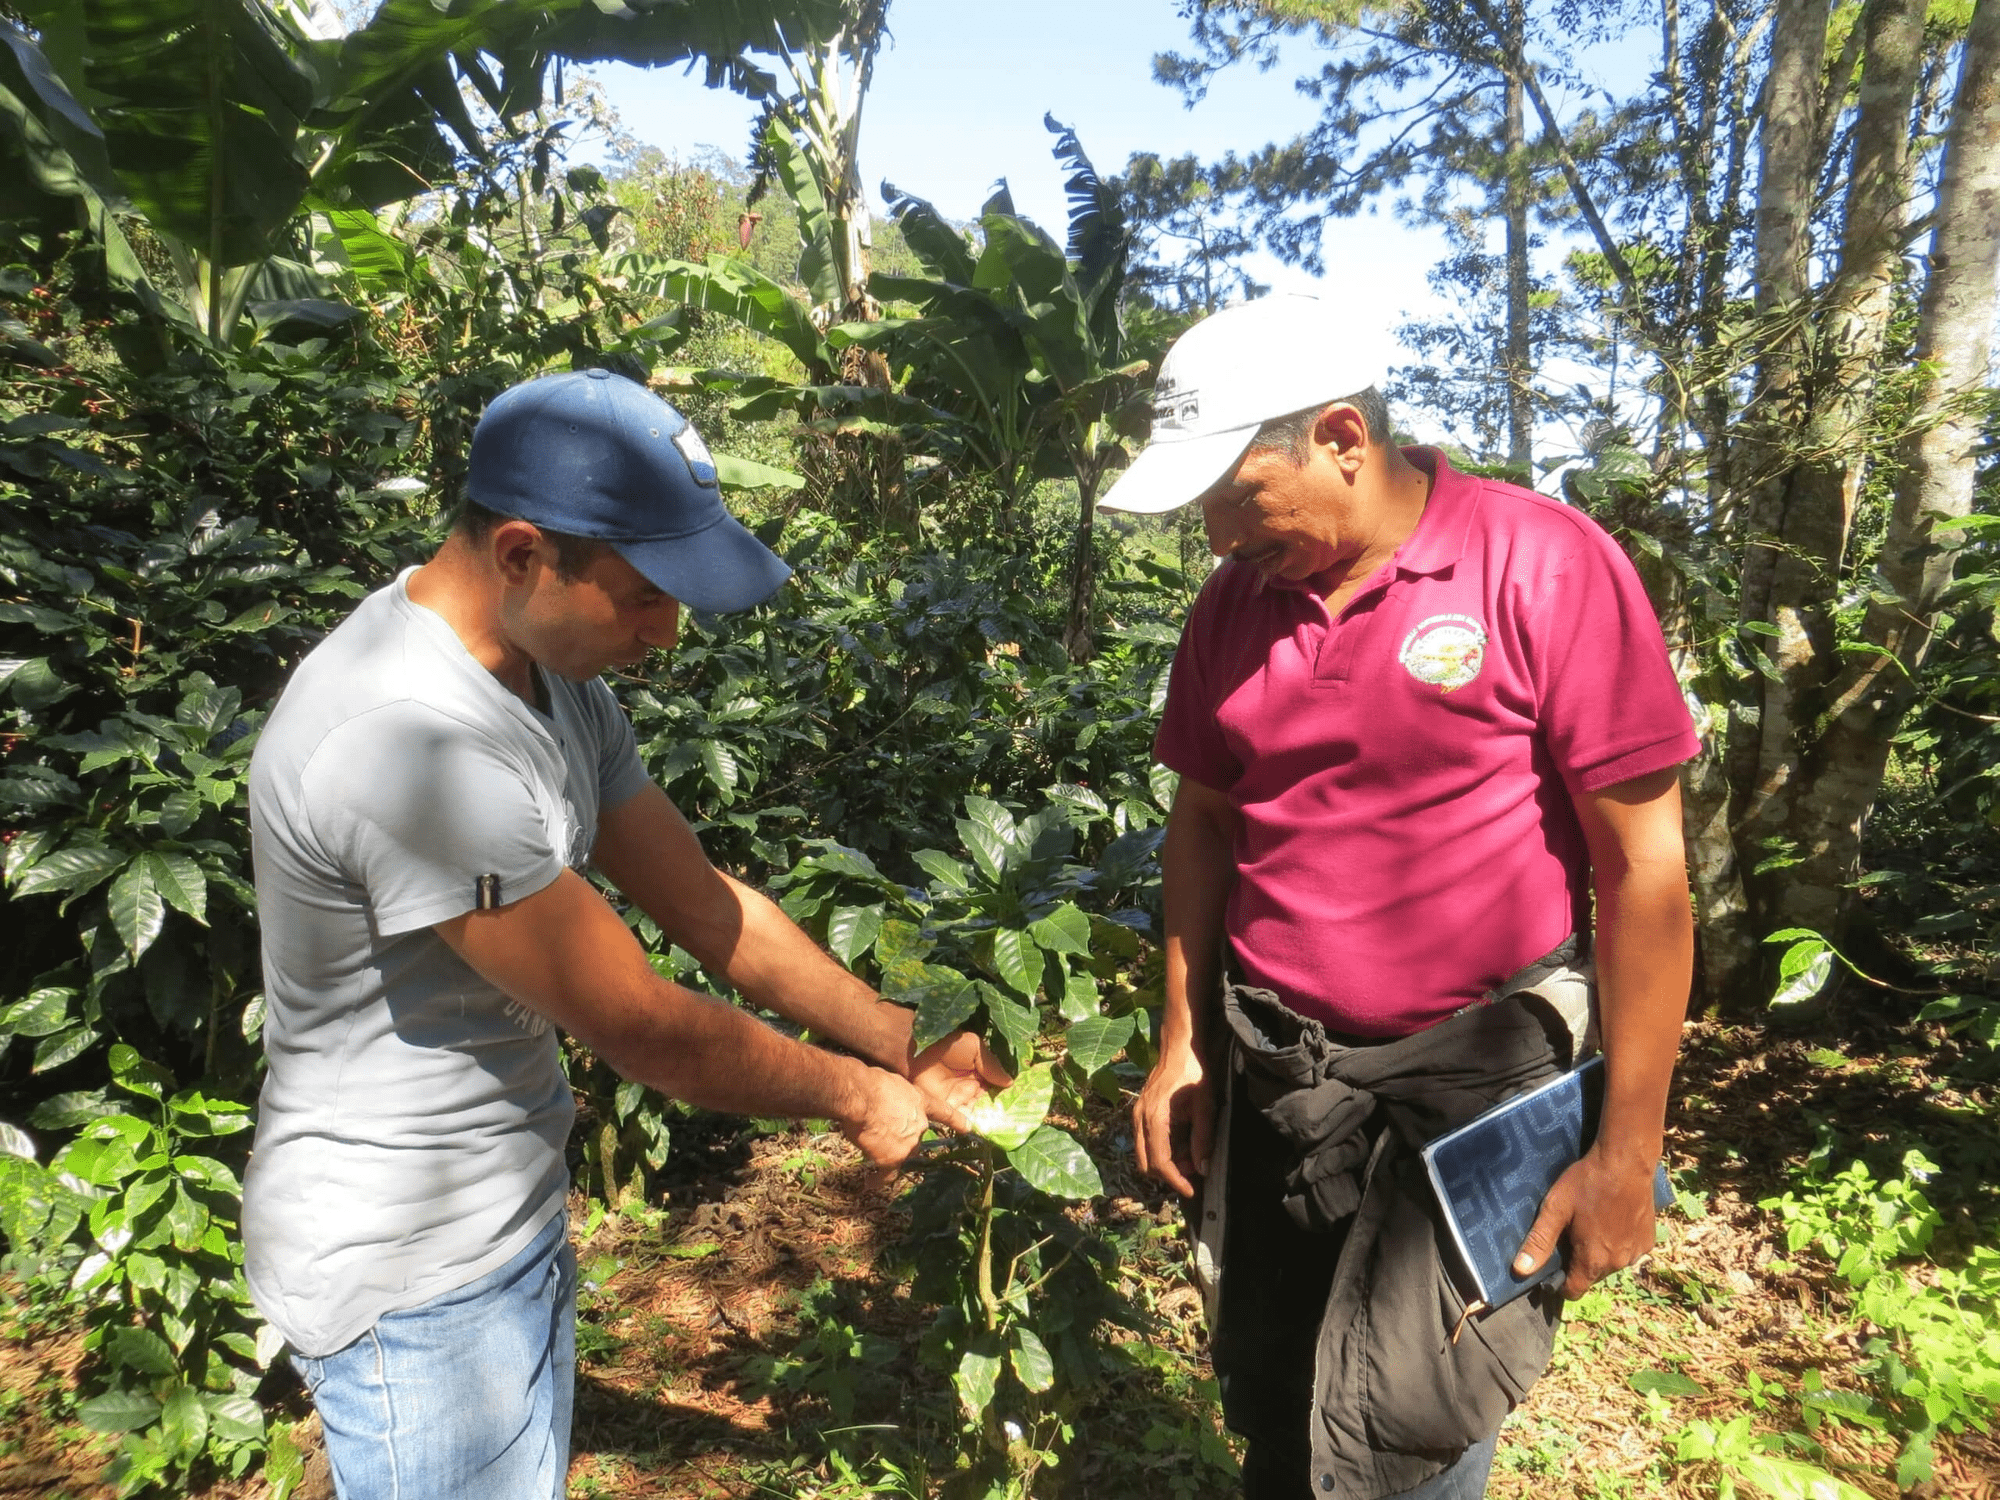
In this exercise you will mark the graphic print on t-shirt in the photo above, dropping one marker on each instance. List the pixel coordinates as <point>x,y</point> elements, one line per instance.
<point>1446,651</point>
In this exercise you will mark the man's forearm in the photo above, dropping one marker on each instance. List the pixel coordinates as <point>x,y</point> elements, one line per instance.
<point>707,1052</point>
<point>776,965</point>
<point>1645,958</point>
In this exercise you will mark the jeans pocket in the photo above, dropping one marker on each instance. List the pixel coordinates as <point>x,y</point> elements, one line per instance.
<point>311,1371</point>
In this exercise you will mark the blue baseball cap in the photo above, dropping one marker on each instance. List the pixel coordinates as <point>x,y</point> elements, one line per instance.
<point>596,455</point>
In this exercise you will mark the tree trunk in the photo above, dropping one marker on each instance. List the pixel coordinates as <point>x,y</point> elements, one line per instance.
<point>1936,474</point>
<point>1516,365</point>
<point>1815,513</point>
<point>1079,630</point>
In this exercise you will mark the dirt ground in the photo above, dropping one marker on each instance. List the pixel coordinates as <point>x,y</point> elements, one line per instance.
<point>684,1309</point>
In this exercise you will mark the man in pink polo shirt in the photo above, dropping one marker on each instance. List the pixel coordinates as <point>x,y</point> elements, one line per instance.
<point>1420,719</point>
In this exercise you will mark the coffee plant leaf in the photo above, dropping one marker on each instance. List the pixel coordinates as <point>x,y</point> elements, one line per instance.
<point>183,1421</point>
<point>42,1013</point>
<point>952,878</point>
<point>977,1378</point>
<point>944,1001</point>
<point>179,880</point>
<point>134,1074</point>
<point>1097,1040</point>
<point>138,910</point>
<point>1019,1025</point>
<point>851,931</point>
<point>235,1419</point>
<point>119,1411</point>
<point>1017,960</point>
<point>16,1142</point>
<point>1054,1162</point>
<point>1079,996</point>
<point>1033,1365</point>
<point>66,1046</point>
<point>75,869</point>
<point>140,1349</point>
<point>1010,1117</point>
<point>723,768</point>
<point>1065,929</point>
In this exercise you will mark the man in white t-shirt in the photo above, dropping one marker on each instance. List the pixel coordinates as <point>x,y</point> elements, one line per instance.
<point>424,800</point>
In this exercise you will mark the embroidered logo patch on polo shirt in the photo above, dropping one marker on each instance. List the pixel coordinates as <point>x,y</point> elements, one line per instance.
<point>1445,650</point>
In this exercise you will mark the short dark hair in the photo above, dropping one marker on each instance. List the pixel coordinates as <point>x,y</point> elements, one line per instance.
<point>1292,433</point>
<point>574,554</point>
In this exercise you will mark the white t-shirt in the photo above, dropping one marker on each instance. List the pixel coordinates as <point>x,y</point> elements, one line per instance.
<point>411,1130</point>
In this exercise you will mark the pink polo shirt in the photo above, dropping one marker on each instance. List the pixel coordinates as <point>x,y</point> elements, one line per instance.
<point>1405,772</point>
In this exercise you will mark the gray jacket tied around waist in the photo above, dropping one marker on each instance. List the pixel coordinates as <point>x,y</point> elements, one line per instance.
<point>1395,1399</point>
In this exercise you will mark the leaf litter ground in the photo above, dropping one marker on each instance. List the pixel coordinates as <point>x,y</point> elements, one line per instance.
<point>690,1311</point>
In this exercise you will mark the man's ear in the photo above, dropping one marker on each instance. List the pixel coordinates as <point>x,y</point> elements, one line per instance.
<point>515,546</point>
<point>1343,429</point>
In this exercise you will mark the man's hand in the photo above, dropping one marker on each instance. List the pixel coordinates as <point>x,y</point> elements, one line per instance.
<point>1173,1121</point>
<point>888,1117</point>
<point>1606,1207</point>
<point>953,1074</point>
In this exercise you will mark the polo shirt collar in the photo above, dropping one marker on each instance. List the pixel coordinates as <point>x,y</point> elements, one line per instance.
<point>1439,540</point>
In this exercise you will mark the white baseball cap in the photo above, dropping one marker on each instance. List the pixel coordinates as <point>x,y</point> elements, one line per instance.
<point>1225,378</point>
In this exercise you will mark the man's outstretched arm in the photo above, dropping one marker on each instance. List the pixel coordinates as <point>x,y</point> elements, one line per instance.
<point>648,851</point>
<point>1645,963</point>
<point>565,954</point>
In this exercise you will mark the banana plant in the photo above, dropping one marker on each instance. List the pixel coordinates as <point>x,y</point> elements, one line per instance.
<point>212,121</point>
<point>1023,344</point>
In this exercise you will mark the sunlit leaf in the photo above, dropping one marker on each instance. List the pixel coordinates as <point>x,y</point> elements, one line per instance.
<point>851,931</point>
<point>1032,1364</point>
<point>138,910</point>
<point>1010,1117</point>
<point>1803,971</point>
<point>1017,960</point>
<point>118,1411</point>
<point>977,1377</point>
<point>1064,930</point>
<point>1052,1160</point>
<point>1097,1040</point>
<point>944,1001</point>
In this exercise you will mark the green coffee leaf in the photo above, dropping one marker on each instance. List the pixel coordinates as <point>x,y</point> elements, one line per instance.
<point>1009,1117</point>
<point>67,1046</point>
<point>183,1422</point>
<point>141,1349</point>
<point>1032,1364</point>
<point>1064,930</point>
<point>988,836</point>
<point>133,1073</point>
<point>68,1110</point>
<point>16,1142</point>
<point>1017,960</point>
<point>1079,996</point>
<point>1788,1479</point>
<point>74,869</point>
<point>838,859</point>
<point>1018,1024</point>
<point>719,761</point>
<point>179,880</point>
<point>1052,1161</point>
<point>118,1411</point>
<point>234,1419</point>
<point>41,1014</point>
<point>851,931</point>
<point>977,1378</point>
<point>1803,971</point>
<point>187,1220</point>
<point>952,877</point>
<point>1663,1383</point>
<point>944,1001</point>
<point>1097,1040</point>
<point>138,910</point>
<point>179,811</point>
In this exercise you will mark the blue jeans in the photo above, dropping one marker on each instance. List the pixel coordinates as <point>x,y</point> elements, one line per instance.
<point>466,1394</point>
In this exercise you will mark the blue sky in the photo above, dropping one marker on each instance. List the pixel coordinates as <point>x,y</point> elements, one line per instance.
<point>958,100</point>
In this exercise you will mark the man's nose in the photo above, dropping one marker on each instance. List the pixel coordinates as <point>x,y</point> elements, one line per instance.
<point>661,628</point>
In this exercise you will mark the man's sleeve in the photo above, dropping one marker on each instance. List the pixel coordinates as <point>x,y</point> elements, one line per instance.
<point>620,772</point>
<point>1610,705</point>
<point>1190,740</point>
<point>416,807</point>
